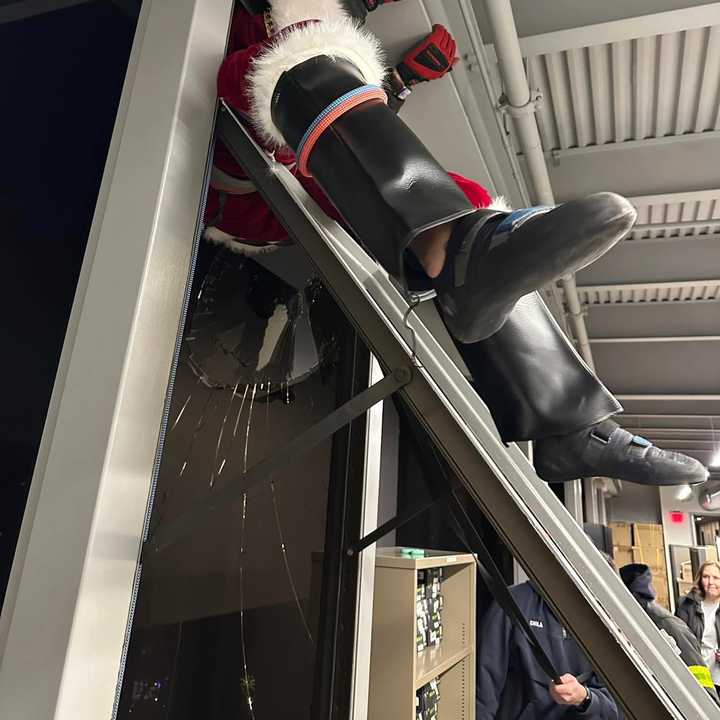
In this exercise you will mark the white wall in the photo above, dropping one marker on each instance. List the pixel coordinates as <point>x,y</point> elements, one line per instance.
<point>636,503</point>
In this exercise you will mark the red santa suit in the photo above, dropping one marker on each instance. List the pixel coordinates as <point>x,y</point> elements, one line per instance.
<point>236,214</point>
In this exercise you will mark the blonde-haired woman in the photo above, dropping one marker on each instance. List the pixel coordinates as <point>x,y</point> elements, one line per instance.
<point>699,609</point>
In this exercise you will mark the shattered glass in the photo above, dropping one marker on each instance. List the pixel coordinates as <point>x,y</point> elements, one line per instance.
<point>225,622</point>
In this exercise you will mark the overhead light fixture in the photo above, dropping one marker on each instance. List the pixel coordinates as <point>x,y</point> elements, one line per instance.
<point>683,492</point>
<point>715,462</point>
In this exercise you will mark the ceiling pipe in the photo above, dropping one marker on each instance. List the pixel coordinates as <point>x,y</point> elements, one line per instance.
<point>521,106</point>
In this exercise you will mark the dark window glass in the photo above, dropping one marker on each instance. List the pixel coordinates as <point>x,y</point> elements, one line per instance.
<point>226,620</point>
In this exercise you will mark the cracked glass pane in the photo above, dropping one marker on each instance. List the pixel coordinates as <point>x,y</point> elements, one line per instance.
<point>225,623</point>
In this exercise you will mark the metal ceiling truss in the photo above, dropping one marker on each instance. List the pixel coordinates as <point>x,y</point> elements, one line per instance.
<point>616,31</point>
<point>678,291</point>
<point>676,432</point>
<point>655,339</point>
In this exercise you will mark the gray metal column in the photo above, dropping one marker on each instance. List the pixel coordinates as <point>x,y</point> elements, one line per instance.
<point>574,499</point>
<point>592,513</point>
<point>366,570</point>
<point>65,617</point>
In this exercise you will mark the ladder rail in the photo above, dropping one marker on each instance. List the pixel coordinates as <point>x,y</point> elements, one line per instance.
<point>587,596</point>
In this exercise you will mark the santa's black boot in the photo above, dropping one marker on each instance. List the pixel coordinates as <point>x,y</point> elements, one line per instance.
<point>607,450</point>
<point>389,189</point>
<point>538,388</point>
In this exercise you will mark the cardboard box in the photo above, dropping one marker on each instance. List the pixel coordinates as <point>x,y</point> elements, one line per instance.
<point>653,557</point>
<point>648,535</point>
<point>622,555</point>
<point>621,533</point>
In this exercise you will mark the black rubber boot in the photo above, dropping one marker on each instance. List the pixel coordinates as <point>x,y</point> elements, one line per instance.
<point>380,177</point>
<point>388,188</point>
<point>532,380</point>
<point>495,260</point>
<point>607,450</point>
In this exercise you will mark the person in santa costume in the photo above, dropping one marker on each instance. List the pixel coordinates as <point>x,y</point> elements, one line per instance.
<point>310,82</point>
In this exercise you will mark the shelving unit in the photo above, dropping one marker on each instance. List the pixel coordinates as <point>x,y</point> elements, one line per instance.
<point>397,670</point>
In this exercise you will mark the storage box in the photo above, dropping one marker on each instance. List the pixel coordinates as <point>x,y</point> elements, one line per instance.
<point>622,555</point>
<point>648,535</point>
<point>621,533</point>
<point>653,557</point>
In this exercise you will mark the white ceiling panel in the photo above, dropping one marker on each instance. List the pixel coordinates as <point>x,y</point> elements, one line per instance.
<point>678,214</point>
<point>640,320</point>
<point>696,291</point>
<point>648,87</point>
<point>665,368</point>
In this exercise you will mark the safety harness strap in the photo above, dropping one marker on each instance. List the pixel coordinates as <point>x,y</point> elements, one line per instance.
<point>469,536</point>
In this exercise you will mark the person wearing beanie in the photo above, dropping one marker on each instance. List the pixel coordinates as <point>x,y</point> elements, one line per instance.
<point>638,580</point>
<point>309,83</point>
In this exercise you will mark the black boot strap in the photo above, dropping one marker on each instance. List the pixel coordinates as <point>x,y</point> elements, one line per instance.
<point>463,238</point>
<point>602,431</point>
<point>608,436</point>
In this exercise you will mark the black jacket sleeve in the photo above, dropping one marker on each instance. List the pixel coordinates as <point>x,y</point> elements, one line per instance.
<point>683,610</point>
<point>493,661</point>
<point>602,706</point>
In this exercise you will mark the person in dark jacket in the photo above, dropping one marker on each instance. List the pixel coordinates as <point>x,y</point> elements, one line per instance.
<point>638,580</point>
<point>512,686</point>
<point>699,610</point>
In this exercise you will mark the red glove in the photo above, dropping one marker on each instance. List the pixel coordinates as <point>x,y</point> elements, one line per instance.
<point>431,59</point>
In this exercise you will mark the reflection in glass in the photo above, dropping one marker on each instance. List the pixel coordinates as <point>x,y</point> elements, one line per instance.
<point>226,618</point>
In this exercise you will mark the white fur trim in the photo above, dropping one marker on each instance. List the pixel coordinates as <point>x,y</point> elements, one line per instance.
<point>500,203</point>
<point>340,38</point>
<point>218,237</point>
<point>289,12</point>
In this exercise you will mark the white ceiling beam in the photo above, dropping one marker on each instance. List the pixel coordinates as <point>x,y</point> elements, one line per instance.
<point>665,416</point>
<point>636,167</point>
<point>657,293</point>
<point>678,197</point>
<point>674,238</point>
<point>658,431</point>
<point>557,156</point>
<point>667,398</point>
<point>618,30</point>
<point>686,442</point>
<point>29,8</point>
<point>681,224</point>
<point>655,339</point>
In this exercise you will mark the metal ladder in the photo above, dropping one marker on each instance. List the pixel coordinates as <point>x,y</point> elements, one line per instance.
<point>636,663</point>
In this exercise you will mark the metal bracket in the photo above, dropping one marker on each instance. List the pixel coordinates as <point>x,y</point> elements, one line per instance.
<point>531,106</point>
<point>394,523</point>
<point>165,535</point>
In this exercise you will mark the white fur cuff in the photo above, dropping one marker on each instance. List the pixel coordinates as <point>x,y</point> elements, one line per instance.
<point>340,38</point>
<point>499,203</point>
<point>289,12</point>
<point>219,237</point>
